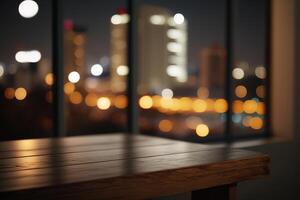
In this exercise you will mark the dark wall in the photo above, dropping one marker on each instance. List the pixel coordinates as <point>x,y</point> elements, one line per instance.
<point>285,157</point>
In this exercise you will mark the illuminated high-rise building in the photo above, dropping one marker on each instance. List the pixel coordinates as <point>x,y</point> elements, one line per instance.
<point>74,49</point>
<point>212,68</point>
<point>119,68</point>
<point>162,49</point>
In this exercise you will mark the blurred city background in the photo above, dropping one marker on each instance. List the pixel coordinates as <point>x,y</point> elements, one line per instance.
<point>181,57</point>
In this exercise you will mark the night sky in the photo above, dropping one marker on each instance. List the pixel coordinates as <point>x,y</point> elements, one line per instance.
<point>206,26</point>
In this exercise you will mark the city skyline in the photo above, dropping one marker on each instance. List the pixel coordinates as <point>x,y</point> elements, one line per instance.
<point>201,34</point>
<point>181,74</point>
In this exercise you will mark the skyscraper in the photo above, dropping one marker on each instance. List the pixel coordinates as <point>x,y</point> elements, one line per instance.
<point>212,68</point>
<point>162,50</point>
<point>119,68</point>
<point>161,54</point>
<point>74,49</point>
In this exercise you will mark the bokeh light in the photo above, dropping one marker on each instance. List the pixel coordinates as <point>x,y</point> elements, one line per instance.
<point>186,103</point>
<point>49,79</point>
<point>246,121</point>
<point>146,102</point>
<point>103,103</point>
<point>165,125</point>
<point>20,93</point>
<point>119,19</point>
<point>260,108</point>
<point>260,72</point>
<point>167,93</point>
<point>122,70</point>
<point>238,73</point>
<point>202,130</point>
<point>199,105</point>
<point>91,100</point>
<point>250,106</point>
<point>256,123</point>
<point>178,18</point>
<point>120,101</point>
<point>260,91</point>
<point>69,88</point>
<point>157,19</point>
<point>74,77</point>
<point>210,105</point>
<point>75,97</point>
<point>28,8</point>
<point>240,91</point>
<point>221,106</point>
<point>96,70</point>
<point>238,106</point>
<point>9,93</point>
<point>32,56</point>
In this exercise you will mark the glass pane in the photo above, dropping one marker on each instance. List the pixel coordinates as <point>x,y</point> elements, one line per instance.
<point>181,63</point>
<point>25,69</point>
<point>95,66</point>
<point>249,70</point>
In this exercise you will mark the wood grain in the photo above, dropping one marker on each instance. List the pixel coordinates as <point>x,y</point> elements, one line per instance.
<point>119,167</point>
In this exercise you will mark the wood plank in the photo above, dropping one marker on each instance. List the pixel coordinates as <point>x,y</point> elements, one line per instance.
<point>45,143</point>
<point>147,185</point>
<point>118,168</point>
<point>109,169</point>
<point>64,149</point>
<point>99,155</point>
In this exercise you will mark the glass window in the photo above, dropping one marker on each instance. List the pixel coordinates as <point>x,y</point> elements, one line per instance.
<point>202,68</point>
<point>249,70</point>
<point>95,66</point>
<point>25,69</point>
<point>182,68</point>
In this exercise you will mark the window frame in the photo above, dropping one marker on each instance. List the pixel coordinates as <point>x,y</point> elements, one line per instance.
<point>132,82</point>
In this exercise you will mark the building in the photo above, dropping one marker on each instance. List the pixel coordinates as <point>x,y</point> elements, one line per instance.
<point>119,68</point>
<point>161,51</point>
<point>213,68</point>
<point>74,49</point>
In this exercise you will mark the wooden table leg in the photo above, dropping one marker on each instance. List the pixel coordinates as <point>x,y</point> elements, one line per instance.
<point>226,192</point>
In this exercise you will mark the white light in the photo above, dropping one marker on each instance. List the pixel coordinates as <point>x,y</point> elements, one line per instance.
<point>116,19</point>
<point>260,72</point>
<point>32,56</point>
<point>174,34</point>
<point>174,47</point>
<point>157,20</point>
<point>74,77</point>
<point>167,93</point>
<point>28,8</point>
<point>1,70</point>
<point>96,70</point>
<point>238,73</point>
<point>178,18</point>
<point>122,70</point>
<point>174,70</point>
<point>119,19</point>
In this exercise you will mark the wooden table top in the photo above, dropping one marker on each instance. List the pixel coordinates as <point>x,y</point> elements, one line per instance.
<point>118,166</point>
